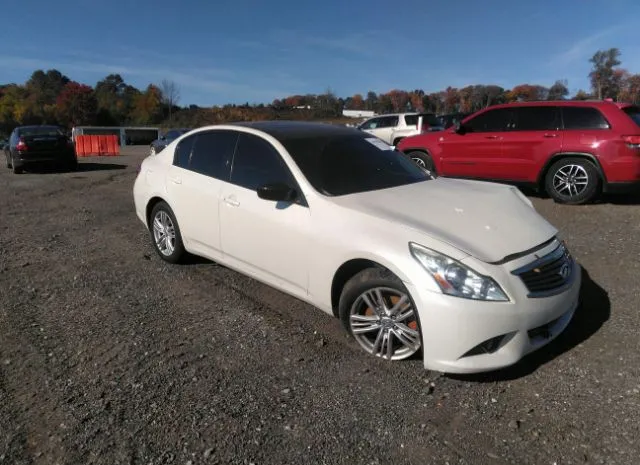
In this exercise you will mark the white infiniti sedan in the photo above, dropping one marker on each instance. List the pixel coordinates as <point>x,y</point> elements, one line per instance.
<point>465,274</point>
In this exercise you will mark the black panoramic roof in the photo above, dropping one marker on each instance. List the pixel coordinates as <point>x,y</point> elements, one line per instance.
<point>283,130</point>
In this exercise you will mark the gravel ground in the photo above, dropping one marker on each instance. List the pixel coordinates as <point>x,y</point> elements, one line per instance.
<point>110,356</point>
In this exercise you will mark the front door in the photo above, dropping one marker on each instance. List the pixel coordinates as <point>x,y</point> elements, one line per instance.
<point>476,152</point>
<point>267,239</point>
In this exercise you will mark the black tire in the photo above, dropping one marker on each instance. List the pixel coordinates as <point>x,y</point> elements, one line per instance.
<point>9,165</point>
<point>584,170</point>
<point>178,253</point>
<point>423,160</point>
<point>73,166</point>
<point>16,169</point>
<point>364,281</point>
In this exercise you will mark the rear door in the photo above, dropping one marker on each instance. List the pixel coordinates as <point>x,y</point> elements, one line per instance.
<point>477,151</point>
<point>194,182</point>
<point>534,135</point>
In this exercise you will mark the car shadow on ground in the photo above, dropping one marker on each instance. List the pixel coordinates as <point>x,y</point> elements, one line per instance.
<point>82,168</point>
<point>594,310</point>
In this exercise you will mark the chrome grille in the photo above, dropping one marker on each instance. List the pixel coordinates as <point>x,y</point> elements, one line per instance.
<point>548,275</point>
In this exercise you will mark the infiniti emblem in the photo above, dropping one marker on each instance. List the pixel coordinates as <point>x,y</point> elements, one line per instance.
<point>564,271</point>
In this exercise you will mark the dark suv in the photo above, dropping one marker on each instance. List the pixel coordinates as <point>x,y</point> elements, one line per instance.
<point>573,150</point>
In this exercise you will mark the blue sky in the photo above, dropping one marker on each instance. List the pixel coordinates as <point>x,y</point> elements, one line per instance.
<point>233,51</point>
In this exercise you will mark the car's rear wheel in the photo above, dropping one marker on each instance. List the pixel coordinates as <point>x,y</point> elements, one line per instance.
<point>16,169</point>
<point>165,233</point>
<point>422,159</point>
<point>377,310</point>
<point>573,181</point>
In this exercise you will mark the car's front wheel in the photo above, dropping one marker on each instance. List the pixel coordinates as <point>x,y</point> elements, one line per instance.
<point>377,310</point>
<point>422,159</point>
<point>573,181</point>
<point>165,233</point>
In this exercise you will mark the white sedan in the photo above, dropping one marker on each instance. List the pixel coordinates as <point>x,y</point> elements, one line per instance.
<point>464,274</point>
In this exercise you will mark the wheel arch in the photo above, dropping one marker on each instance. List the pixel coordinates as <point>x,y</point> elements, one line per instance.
<point>153,201</point>
<point>560,155</point>
<point>348,270</point>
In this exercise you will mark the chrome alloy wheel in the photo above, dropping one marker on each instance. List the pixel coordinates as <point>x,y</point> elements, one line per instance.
<point>420,162</point>
<point>164,233</point>
<point>385,324</point>
<point>571,180</point>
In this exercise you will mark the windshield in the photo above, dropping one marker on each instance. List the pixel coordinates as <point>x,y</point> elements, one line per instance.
<point>634,113</point>
<point>342,165</point>
<point>52,131</point>
<point>428,118</point>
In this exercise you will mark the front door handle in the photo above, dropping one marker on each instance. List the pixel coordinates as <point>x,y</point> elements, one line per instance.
<point>549,136</point>
<point>231,201</point>
<point>490,137</point>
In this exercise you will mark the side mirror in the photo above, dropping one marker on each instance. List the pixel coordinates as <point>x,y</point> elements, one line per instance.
<point>277,192</point>
<point>458,128</point>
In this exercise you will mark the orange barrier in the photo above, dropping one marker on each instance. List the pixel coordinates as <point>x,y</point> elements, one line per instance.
<point>91,145</point>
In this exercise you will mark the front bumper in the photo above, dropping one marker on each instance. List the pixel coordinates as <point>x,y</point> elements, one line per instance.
<point>468,336</point>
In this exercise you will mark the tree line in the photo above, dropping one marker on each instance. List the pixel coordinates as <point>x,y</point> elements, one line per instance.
<point>50,97</point>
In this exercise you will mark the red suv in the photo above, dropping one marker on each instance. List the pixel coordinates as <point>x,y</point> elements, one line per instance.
<point>573,150</point>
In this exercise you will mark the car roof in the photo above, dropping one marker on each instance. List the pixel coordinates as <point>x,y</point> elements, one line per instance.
<point>563,103</point>
<point>282,130</point>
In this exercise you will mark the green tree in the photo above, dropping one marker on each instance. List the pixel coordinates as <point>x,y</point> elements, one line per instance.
<point>602,75</point>
<point>147,106</point>
<point>559,90</point>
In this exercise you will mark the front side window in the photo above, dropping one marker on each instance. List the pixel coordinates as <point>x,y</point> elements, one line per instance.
<point>427,118</point>
<point>348,164</point>
<point>257,162</point>
<point>490,121</point>
<point>388,122</point>
<point>212,153</point>
<point>371,124</point>
<point>535,118</point>
<point>583,118</point>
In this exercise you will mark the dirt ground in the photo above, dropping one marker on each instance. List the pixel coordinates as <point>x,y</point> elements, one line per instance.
<point>110,356</point>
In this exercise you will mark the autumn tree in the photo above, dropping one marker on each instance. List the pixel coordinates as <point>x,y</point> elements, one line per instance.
<point>582,95</point>
<point>147,106</point>
<point>630,89</point>
<point>76,105</point>
<point>527,93</point>
<point>602,75</point>
<point>13,106</point>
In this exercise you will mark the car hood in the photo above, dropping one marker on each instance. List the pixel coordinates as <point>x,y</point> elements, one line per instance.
<point>486,220</point>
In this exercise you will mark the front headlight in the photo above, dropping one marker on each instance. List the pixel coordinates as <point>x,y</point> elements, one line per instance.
<point>456,279</point>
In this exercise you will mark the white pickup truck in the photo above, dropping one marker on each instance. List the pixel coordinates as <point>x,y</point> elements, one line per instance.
<point>392,128</point>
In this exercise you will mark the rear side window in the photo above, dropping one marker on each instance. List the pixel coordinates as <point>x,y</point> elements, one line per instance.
<point>535,118</point>
<point>490,121</point>
<point>212,153</point>
<point>257,162</point>
<point>633,113</point>
<point>183,152</point>
<point>427,118</point>
<point>583,118</point>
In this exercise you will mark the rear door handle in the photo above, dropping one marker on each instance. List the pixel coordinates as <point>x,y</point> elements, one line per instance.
<point>231,201</point>
<point>549,136</point>
<point>176,180</point>
<point>490,137</point>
